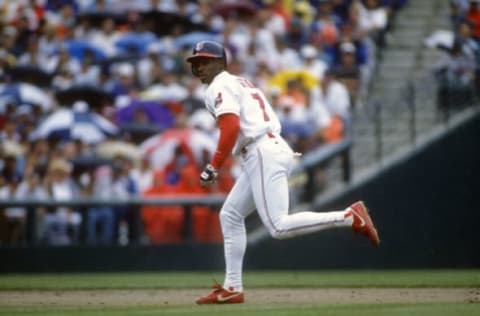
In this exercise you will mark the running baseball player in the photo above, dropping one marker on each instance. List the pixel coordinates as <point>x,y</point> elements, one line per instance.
<point>250,130</point>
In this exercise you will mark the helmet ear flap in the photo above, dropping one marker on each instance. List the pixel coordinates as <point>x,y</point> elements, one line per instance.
<point>193,69</point>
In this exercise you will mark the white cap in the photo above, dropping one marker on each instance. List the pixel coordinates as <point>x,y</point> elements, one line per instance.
<point>125,70</point>
<point>23,109</point>
<point>202,119</point>
<point>155,48</point>
<point>286,102</point>
<point>347,47</point>
<point>308,51</point>
<point>80,106</point>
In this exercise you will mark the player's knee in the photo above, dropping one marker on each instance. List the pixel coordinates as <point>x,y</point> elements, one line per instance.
<point>278,234</point>
<point>228,216</point>
<point>278,229</point>
<point>224,218</point>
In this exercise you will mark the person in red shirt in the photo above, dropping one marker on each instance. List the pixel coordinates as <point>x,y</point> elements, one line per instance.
<point>206,224</point>
<point>163,224</point>
<point>473,15</point>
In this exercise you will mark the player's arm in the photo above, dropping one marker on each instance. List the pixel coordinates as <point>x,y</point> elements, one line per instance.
<point>229,126</point>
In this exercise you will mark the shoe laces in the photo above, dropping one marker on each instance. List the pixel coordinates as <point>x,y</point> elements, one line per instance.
<point>216,286</point>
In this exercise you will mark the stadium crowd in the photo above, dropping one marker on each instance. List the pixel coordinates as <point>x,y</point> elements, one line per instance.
<point>458,72</point>
<point>96,100</point>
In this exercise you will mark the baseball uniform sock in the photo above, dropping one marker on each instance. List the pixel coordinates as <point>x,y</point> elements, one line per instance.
<point>235,244</point>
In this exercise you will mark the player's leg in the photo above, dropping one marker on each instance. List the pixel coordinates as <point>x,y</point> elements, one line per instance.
<point>238,205</point>
<point>269,181</point>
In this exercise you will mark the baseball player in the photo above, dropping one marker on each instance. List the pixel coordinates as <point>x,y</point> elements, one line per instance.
<point>250,130</point>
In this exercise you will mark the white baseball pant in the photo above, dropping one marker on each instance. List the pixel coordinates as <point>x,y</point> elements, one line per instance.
<point>263,185</point>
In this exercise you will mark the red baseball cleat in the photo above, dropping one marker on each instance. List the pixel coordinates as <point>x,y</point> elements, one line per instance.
<point>221,296</point>
<point>362,223</point>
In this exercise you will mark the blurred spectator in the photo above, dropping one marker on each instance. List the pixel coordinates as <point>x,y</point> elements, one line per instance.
<point>33,56</point>
<point>292,107</point>
<point>326,128</point>
<point>149,67</point>
<point>7,60</point>
<point>348,71</point>
<point>23,33</point>
<point>168,89</point>
<point>12,218</point>
<point>334,95</point>
<point>373,20</point>
<point>183,157</point>
<point>470,47</point>
<point>473,15</point>
<point>202,120</point>
<point>235,37</point>
<point>26,123</point>
<point>324,28</point>
<point>457,12</point>
<point>312,62</point>
<point>10,178</point>
<point>464,36</point>
<point>297,35</point>
<point>286,57</point>
<point>293,119</point>
<point>455,73</point>
<point>89,72</point>
<point>205,15</point>
<point>143,175</point>
<point>272,21</point>
<point>10,131</point>
<point>296,91</point>
<point>11,156</point>
<point>180,7</point>
<point>162,224</point>
<point>393,7</point>
<point>106,36</point>
<point>124,187</point>
<point>279,8</point>
<point>304,11</point>
<point>61,224</point>
<point>124,84</point>
<point>30,188</point>
<point>206,224</point>
<point>9,41</point>
<point>193,101</point>
<point>63,62</point>
<point>48,42</point>
<point>250,60</point>
<point>100,219</point>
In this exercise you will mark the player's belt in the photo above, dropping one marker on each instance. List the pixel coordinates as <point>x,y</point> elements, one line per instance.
<point>244,148</point>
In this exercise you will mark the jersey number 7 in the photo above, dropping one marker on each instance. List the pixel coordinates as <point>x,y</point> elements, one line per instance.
<point>261,103</point>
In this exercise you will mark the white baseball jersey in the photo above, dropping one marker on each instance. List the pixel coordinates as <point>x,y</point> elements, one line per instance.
<point>232,94</point>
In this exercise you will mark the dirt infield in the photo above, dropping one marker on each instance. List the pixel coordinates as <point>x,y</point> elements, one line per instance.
<point>253,296</point>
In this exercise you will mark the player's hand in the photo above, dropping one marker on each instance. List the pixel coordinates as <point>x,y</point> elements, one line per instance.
<point>208,176</point>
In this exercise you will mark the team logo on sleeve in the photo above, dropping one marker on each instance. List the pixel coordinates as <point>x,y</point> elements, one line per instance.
<point>218,99</point>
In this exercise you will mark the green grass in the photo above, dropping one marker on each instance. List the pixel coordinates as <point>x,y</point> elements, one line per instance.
<point>252,279</point>
<point>254,310</point>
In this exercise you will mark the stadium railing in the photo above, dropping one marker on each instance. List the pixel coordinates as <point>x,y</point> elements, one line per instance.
<point>306,165</point>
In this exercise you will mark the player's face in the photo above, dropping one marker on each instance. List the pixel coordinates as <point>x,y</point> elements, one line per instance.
<point>206,68</point>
